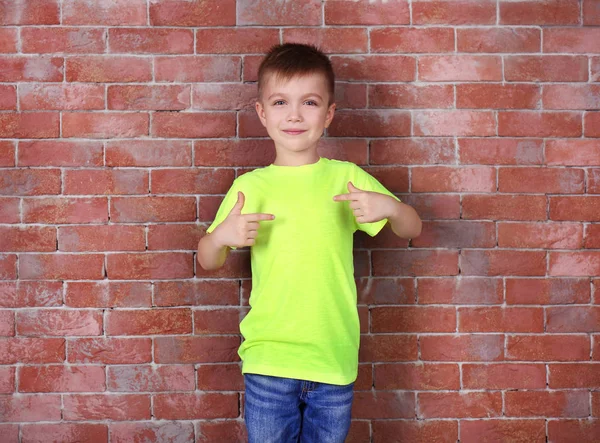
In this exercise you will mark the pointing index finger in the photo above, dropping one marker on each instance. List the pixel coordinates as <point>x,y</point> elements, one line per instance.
<point>344,197</point>
<point>259,217</point>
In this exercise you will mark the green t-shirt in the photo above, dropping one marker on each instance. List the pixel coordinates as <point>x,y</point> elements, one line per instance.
<point>303,322</point>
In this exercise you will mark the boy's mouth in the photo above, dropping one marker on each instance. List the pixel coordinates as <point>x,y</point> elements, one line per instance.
<point>293,131</point>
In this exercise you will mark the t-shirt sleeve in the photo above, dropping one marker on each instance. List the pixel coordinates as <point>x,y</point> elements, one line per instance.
<point>226,205</point>
<point>366,182</point>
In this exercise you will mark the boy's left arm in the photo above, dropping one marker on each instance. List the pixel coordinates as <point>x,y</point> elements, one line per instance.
<point>369,207</point>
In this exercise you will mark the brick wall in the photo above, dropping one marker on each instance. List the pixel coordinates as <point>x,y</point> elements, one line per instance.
<point>124,122</point>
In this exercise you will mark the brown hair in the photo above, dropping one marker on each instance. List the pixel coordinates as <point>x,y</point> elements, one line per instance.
<point>293,59</point>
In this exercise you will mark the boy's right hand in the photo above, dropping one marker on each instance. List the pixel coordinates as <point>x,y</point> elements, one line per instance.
<point>239,230</point>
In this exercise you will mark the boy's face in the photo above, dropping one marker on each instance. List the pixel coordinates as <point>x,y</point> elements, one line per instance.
<point>295,112</point>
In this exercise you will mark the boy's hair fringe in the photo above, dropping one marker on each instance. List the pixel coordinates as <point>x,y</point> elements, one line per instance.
<point>294,59</point>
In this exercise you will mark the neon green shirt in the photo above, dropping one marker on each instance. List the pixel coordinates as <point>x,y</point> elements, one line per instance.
<point>303,322</point>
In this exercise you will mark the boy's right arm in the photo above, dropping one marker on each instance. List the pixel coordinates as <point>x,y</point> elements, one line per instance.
<point>211,254</point>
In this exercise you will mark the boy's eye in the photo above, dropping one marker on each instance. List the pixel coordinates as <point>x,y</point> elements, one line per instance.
<point>311,103</point>
<point>278,102</point>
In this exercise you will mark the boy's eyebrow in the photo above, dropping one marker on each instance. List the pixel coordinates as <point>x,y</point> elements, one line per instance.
<point>304,96</point>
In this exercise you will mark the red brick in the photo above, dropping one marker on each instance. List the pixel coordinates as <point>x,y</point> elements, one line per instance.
<point>584,208</point>
<point>456,234</point>
<point>350,95</point>
<point>593,181</point>
<point>571,97</point>
<point>126,432</point>
<point>159,98</point>
<point>233,153</point>
<point>198,68</point>
<point>149,322</point>
<point>9,210</point>
<point>60,153</point>
<point>31,68</point>
<point>412,319</point>
<point>23,182</point>
<point>500,319</point>
<point>540,235</point>
<point>414,262</point>
<point>8,266</point>
<point>249,125</point>
<point>539,124</point>
<point>369,404</point>
<point>150,266</point>
<point>149,153</point>
<point>581,431</point>
<point>30,12</point>
<point>329,40</point>
<point>546,68</point>
<point>572,40</point>
<point>421,376</point>
<point>496,96</point>
<point>411,96</point>
<point>382,68</point>
<point>504,207</point>
<point>591,12</point>
<point>101,238</point>
<point>65,210</point>
<point>224,96</point>
<point>186,406</point>
<point>8,40</point>
<point>63,39</point>
<point>7,326</point>
<point>417,151</point>
<point>547,404</point>
<point>30,294</point>
<point>61,266</point>
<point>451,179</point>
<point>152,209</point>
<point>105,125</point>
<point>29,125</point>
<point>23,408</point>
<point>31,350</point>
<point>251,64</point>
<point>220,377</point>
<point>380,123</point>
<point>235,40</point>
<point>230,430</point>
<point>191,181</point>
<point>151,41</point>
<point>237,266</point>
<point>27,239</point>
<point>488,431</point>
<point>106,294</point>
<point>503,262</point>
<point>422,431</point>
<point>595,404</point>
<point>104,12</point>
<point>106,182</point>
<point>579,263</point>
<point>595,69</point>
<point>504,376</point>
<point>547,347</point>
<point>449,123</point>
<point>462,347</point>
<point>531,12</point>
<point>547,291</point>
<point>591,238</point>
<point>108,69</point>
<point>7,155</point>
<point>541,180</point>
<point>192,13</point>
<point>463,12</point>
<point>573,319</point>
<point>412,40</point>
<point>264,12</point>
<point>136,378</point>
<point>460,68</point>
<point>112,351</point>
<point>500,151</point>
<point>196,349</point>
<point>7,382</point>
<point>52,322</point>
<point>467,290</point>
<point>505,40</point>
<point>61,379</point>
<point>459,404</point>
<point>80,432</point>
<point>363,12</point>
<point>574,375</point>
<point>592,124</point>
<point>193,125</point>
<point>174,237</point>
<point>107,407</point>
<point>196,293</point>
<point>8,97</point>
<point>568,152</point>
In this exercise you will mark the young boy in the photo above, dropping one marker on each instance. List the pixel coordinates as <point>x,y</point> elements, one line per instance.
<point>298,215</point>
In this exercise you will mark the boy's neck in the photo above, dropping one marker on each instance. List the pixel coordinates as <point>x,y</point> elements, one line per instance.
<point>299,159</point>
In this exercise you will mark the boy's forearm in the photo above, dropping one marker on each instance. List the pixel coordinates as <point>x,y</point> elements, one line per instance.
<point>210,254</point>
<point>405,221</point>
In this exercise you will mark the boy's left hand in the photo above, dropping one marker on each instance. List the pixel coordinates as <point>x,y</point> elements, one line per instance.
<point>367,206</point>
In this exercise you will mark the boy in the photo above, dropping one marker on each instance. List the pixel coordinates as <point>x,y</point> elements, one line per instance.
<point>298,215</point>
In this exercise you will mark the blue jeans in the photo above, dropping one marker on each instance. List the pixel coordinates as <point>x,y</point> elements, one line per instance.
<point>286,410</point>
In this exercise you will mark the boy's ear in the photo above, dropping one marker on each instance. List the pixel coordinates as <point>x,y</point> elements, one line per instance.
<point>330,113</point>
<point>260,110</point>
